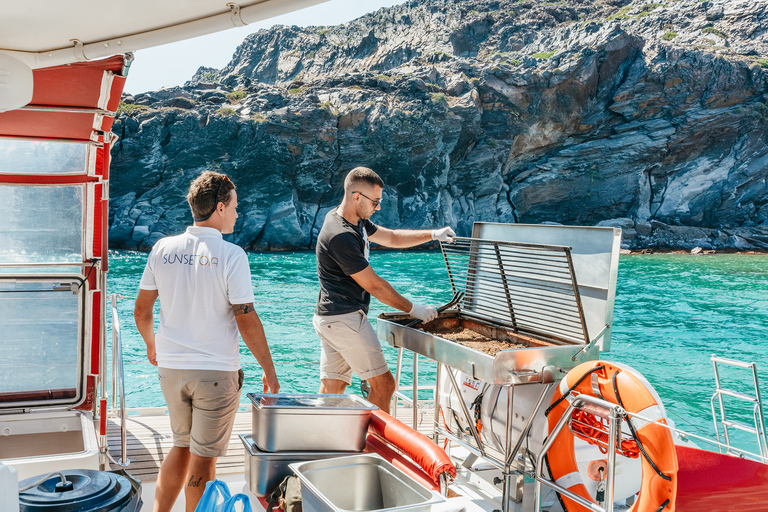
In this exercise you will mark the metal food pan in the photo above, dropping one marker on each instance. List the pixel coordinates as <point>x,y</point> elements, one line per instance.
<point>310,422</point>
<point>265,470</point>
<point>361,482</point>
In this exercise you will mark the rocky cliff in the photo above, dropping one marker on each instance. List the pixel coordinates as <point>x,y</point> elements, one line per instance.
<point>647,116</point>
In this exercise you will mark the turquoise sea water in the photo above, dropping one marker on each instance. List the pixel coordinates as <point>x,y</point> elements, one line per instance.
<point>672,313</point>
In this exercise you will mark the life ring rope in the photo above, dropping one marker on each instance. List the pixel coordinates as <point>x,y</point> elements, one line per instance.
<point>634,433</point>
<point>570,390</point>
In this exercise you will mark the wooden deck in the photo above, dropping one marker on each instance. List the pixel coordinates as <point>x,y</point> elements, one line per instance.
<point>150,439</point>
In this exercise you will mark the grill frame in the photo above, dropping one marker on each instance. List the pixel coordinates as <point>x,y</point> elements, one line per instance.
<point>536,282</point>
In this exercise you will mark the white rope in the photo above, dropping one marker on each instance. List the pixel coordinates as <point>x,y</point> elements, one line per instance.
<point>44,479</point>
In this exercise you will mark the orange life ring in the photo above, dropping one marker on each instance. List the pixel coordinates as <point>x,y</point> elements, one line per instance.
<point>597,379</point>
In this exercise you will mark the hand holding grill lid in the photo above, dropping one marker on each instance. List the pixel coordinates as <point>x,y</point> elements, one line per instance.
<point>423,313</point>
<point>445,234</point>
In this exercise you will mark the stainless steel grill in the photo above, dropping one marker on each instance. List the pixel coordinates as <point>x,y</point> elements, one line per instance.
<point>529,288</point>
<point>519,285</point>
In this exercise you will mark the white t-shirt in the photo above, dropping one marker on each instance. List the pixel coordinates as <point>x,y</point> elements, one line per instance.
<point>198,277</point>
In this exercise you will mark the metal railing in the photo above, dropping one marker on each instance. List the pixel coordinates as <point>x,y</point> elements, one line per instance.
<point>118,379</point>
<point>614,414</point>
<point>757,410</point>
<point>413,400</point>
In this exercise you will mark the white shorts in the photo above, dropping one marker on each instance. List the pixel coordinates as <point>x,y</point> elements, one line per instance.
<point>348,343</point>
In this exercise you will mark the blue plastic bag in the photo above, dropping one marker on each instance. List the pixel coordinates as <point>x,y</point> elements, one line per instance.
<point>217,498</point>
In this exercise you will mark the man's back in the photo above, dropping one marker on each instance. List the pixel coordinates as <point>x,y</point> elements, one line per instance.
<point>198,277</point>
<point>342,250</point>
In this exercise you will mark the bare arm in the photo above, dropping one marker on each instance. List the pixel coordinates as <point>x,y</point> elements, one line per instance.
<point>145,321</point>
<point>252,331</point>
<point>400,239</point>
<point>381,289</point>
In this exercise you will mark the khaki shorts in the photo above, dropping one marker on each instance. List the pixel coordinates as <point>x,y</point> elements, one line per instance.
<point>348,343</point>
<point>202,406</point>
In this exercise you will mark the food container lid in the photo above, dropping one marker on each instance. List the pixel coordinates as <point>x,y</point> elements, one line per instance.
<point>304,401</point>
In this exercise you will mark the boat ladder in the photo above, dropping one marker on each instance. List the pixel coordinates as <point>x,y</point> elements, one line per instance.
<point>757,408</point>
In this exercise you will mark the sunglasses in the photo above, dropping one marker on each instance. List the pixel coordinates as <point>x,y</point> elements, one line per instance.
<point>375,202</point>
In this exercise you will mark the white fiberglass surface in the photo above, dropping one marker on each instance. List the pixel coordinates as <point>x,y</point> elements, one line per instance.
<point>42,157</point>
<point>41,224</point>
<point>39,322</point>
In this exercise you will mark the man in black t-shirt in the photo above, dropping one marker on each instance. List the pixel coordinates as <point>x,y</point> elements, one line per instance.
<point>347,281</point>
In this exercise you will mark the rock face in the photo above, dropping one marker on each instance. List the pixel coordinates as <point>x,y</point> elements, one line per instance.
<point>651,117</point>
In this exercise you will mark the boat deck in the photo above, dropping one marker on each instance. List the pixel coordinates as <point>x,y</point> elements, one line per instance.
<point>149,439</point>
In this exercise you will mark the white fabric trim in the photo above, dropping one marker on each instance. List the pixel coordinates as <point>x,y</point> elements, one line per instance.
<point>98,121</point>
<point>106,89</point>
<point>89,205</point>
<point>653,414</point>
<point>90,160</point>
<point>569,480</point>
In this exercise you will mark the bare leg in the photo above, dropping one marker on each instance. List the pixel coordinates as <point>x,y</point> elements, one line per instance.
<point>382,389</point>
<point>332,386</point>
<point>201,471</point>
<point>170,479</point>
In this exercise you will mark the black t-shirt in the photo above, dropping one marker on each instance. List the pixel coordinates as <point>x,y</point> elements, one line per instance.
<point>342,250</point>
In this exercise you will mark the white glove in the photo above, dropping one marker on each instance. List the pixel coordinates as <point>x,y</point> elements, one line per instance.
<point>423,313</point>
<point>445,234</point>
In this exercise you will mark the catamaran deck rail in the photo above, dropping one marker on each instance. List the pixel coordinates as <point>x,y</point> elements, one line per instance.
<point>118,378</point>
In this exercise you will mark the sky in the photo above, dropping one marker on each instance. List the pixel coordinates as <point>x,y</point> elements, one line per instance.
<point>173,64</point>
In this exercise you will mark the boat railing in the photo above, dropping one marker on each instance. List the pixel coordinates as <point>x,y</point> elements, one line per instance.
<point>615,414</point>
<point>757,408</point>
<point>118,380</point>
<point>413,398</point>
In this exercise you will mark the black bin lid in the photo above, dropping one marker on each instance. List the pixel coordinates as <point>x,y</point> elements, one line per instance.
<point>93,491</point>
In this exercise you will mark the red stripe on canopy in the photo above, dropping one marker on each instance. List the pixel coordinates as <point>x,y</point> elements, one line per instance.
<point>76,85</point>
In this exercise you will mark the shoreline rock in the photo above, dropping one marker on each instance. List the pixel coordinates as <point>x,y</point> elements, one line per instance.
<point>648,117</point>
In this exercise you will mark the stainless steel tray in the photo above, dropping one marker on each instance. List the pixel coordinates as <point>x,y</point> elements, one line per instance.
<point>361,482</point>
<point>508,367</point>
<point>310,422</point>
<point>265,470</point>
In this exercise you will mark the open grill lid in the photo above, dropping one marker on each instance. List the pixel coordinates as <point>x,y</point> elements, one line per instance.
<point>552,282</point>
<point>529,288</point>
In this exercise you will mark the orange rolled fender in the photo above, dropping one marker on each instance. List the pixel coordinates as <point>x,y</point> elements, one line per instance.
<point>418,447</point>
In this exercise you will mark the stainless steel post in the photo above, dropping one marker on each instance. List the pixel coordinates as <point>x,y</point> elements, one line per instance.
<point>117,375</point>
<point>466,413</point>
<point>761,418</point>
<point>506,484</point>
<point>528,424</point>
<point>539,469</point>
<point>614,437</point>
<point>114,351</point>
<point>415,390</point>
<point>398,371</point>
<point>436,415</point>
<point>722,407</point>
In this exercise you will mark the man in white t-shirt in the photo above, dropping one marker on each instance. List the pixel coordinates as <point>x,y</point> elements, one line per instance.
<point>206,299</point>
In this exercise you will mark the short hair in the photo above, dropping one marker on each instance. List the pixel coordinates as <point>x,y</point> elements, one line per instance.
<point>207,190</point>
<point>362,175</point>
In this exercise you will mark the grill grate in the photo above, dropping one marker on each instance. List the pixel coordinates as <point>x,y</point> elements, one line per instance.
<point>529,288</point>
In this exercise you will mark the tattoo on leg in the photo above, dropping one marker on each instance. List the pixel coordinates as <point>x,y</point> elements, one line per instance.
<point>193,482</point>
<point>241,309</point>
